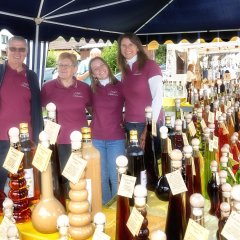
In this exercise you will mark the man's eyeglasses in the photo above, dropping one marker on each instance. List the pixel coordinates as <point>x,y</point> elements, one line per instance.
<point>64,65</point>
<point>14,49</point>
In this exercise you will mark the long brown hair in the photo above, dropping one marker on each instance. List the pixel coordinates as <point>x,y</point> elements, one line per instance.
<point>95,81</point>
<point>142,56</point>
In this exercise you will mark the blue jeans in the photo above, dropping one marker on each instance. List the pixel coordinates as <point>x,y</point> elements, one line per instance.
<point>109,151</point>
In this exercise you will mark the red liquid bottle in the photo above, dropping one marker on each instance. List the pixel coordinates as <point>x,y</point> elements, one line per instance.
<point>213,190</point>
<point>176,221</point>
<point>197,208</point>
<point>18,192</point>
<point>123,208</point>
<point>140,200</point>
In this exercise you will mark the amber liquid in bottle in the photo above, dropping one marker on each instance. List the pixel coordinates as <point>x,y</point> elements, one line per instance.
<point>197,177</point>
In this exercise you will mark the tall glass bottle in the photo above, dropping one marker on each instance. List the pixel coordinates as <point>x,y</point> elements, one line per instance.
<point>225,213</point>
<point>213,190</point>
<point>140,201</point>
<point>176,221</point>
<point>31,175</point>
<point>199,130</point>
<point>149,153</point>
<point>18,187</point>
<point>93,171</point>
<point>187,151</point>
<point>123,208</point>
<point>162,188</point>
<point>136,165</point>
<point>79,207</point>
<point>48,209</point>
<point>57,186</point>
<point>197,208</point>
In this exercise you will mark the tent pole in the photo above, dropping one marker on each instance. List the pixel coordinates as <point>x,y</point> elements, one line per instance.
<point>36,48</point>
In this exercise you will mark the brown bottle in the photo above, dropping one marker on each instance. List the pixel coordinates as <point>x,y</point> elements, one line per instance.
<point>140,201</point>
<point>18,192</point>
<point>93,171</point>
<point>48,209</point>
<point>32,175</point>
<point>123,208</point>
<point>79,207</point>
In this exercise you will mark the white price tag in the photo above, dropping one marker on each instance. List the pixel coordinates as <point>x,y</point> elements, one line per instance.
<point>126,186</point>
<point>135,221</point>
<point>176,182</point>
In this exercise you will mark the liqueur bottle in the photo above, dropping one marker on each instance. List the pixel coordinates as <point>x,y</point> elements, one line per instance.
<point>187,151</point>
<point>158,235</point>
<point>162,189</point>
<point>199,130</point>
<point>57,186</point>
<point>176,222</point>
<point>18,192</point>
<point>197,208</point>
<point>213,190</point>
<point>140,201</point>
<point>48,209</point>
<point>123,208</point>
<point>225,213</point>
<point>222,133</point>
<point>99,221</point>
<point>149,153</point>
<point>177,109</point>
<point>199,167</point>
<point>235,152</point>
<point>93,171</point>
<point>79,208</point>
<point>31,174</point>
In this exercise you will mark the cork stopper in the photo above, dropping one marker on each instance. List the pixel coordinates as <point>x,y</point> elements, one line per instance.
<point>176,158</point>
<point>226,145</point>
<point>99,218</point>
<point>163,132</point>
<point>198,212</point>
<point>235,193</point>
<point>214,166</point>
<point>178,125</point>
<point>188,117</point>
<point>223,176</point>
<point>158,235</point>
<point>76,138</point>
<point>13,135</point>
<point>7,203</point>
<point>226,190</point>
<point>225,209</point>
<point>122,164</point>
<point>224,161</point>
<point>140,194</point>
<point>211,127</point>
<point>224,150</point>
<point>195,143</point>
<point>221,119</point>
<point>51,107</point>
<point>233,139</point>
<point>62,221</point>
<point>197,200</point>
<point>148,112</point>
<point>23,127</point>
<point>187,150</point>
<point>44,139</point>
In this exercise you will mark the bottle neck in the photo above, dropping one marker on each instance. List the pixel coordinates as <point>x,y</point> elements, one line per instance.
<point>47,183</point>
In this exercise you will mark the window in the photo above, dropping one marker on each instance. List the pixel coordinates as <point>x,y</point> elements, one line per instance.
<point>4,39</point>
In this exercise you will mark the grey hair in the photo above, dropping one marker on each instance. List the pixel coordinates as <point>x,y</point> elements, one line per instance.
<point>17,38</point>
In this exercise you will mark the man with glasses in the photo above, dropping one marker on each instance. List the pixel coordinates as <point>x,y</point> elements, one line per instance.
<point>19,98</point>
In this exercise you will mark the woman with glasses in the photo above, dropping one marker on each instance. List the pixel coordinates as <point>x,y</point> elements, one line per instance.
<point>107,123</point>
<point>71,98</point>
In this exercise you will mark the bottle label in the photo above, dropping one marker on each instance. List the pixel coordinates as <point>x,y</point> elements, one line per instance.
<point>30,181</point>
<point>89,189</point>
<point>143,178</point>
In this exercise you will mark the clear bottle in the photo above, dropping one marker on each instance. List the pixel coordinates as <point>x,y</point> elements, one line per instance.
<point>79,208</point>
<point>176,221</point>
<point>225,213</point>
<point>149,153</point>
<point>99,221</point>
<point>197,208</point>
<point>18,192</point>
<point>57,186</point>
<point>32,175</point>
<point>48,209</point>
<point>162,188</point>
<point>93,171</point>
<point>140,201</point>
<point>213,190</point>
<point>123,208</point>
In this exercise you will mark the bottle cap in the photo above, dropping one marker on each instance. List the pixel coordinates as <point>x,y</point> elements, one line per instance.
<point>214,166</point>
<point>211,127</point>
<point>176,158</point>
<point>198,212</point>
<point>224,150</point>
<point>62,221</point>
<point>7,203</point>
<point>99,218</point>
<point>223,174</point>
<point>226,145</point>
<point>13,134</point>
<point>76,138</point>
<point>50,107</point>
<point>197,200</point>
<point>226,190</point>
<point>23,127</point>
<point>187,150</point>
<point>195,143</point>
<point>235,193</point>
<point>223,160</point>
<point>225,209</point>
<point>122,164</point>
<point>140,194</point>
<point>44,139</point>
<point>148,112</point>
<point>163,132</point>
<point>188,117</point>
<point>233,139</point>
<point>158,235</point>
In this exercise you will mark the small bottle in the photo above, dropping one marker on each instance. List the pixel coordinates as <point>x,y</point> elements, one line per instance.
<point>213,190</point>
<point>48,209</point>
<point>18,187</point>
<point>197,208</point>
<point>158,235</point>
<point>176,222</point>
<point>149,153</point>
<point>140,201</point>
<point>99,221</point>
<point>93,171</point>
<point>225,213</point>
<point>162,188</point>
<point>123,208</point>
<point>32,175</point>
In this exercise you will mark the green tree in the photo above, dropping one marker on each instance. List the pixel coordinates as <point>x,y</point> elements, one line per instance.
<point>51,59</point>
<point>160,54</point>
<point>110,55</point>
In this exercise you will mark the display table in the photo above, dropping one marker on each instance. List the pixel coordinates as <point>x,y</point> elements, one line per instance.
<point>157,212</point>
